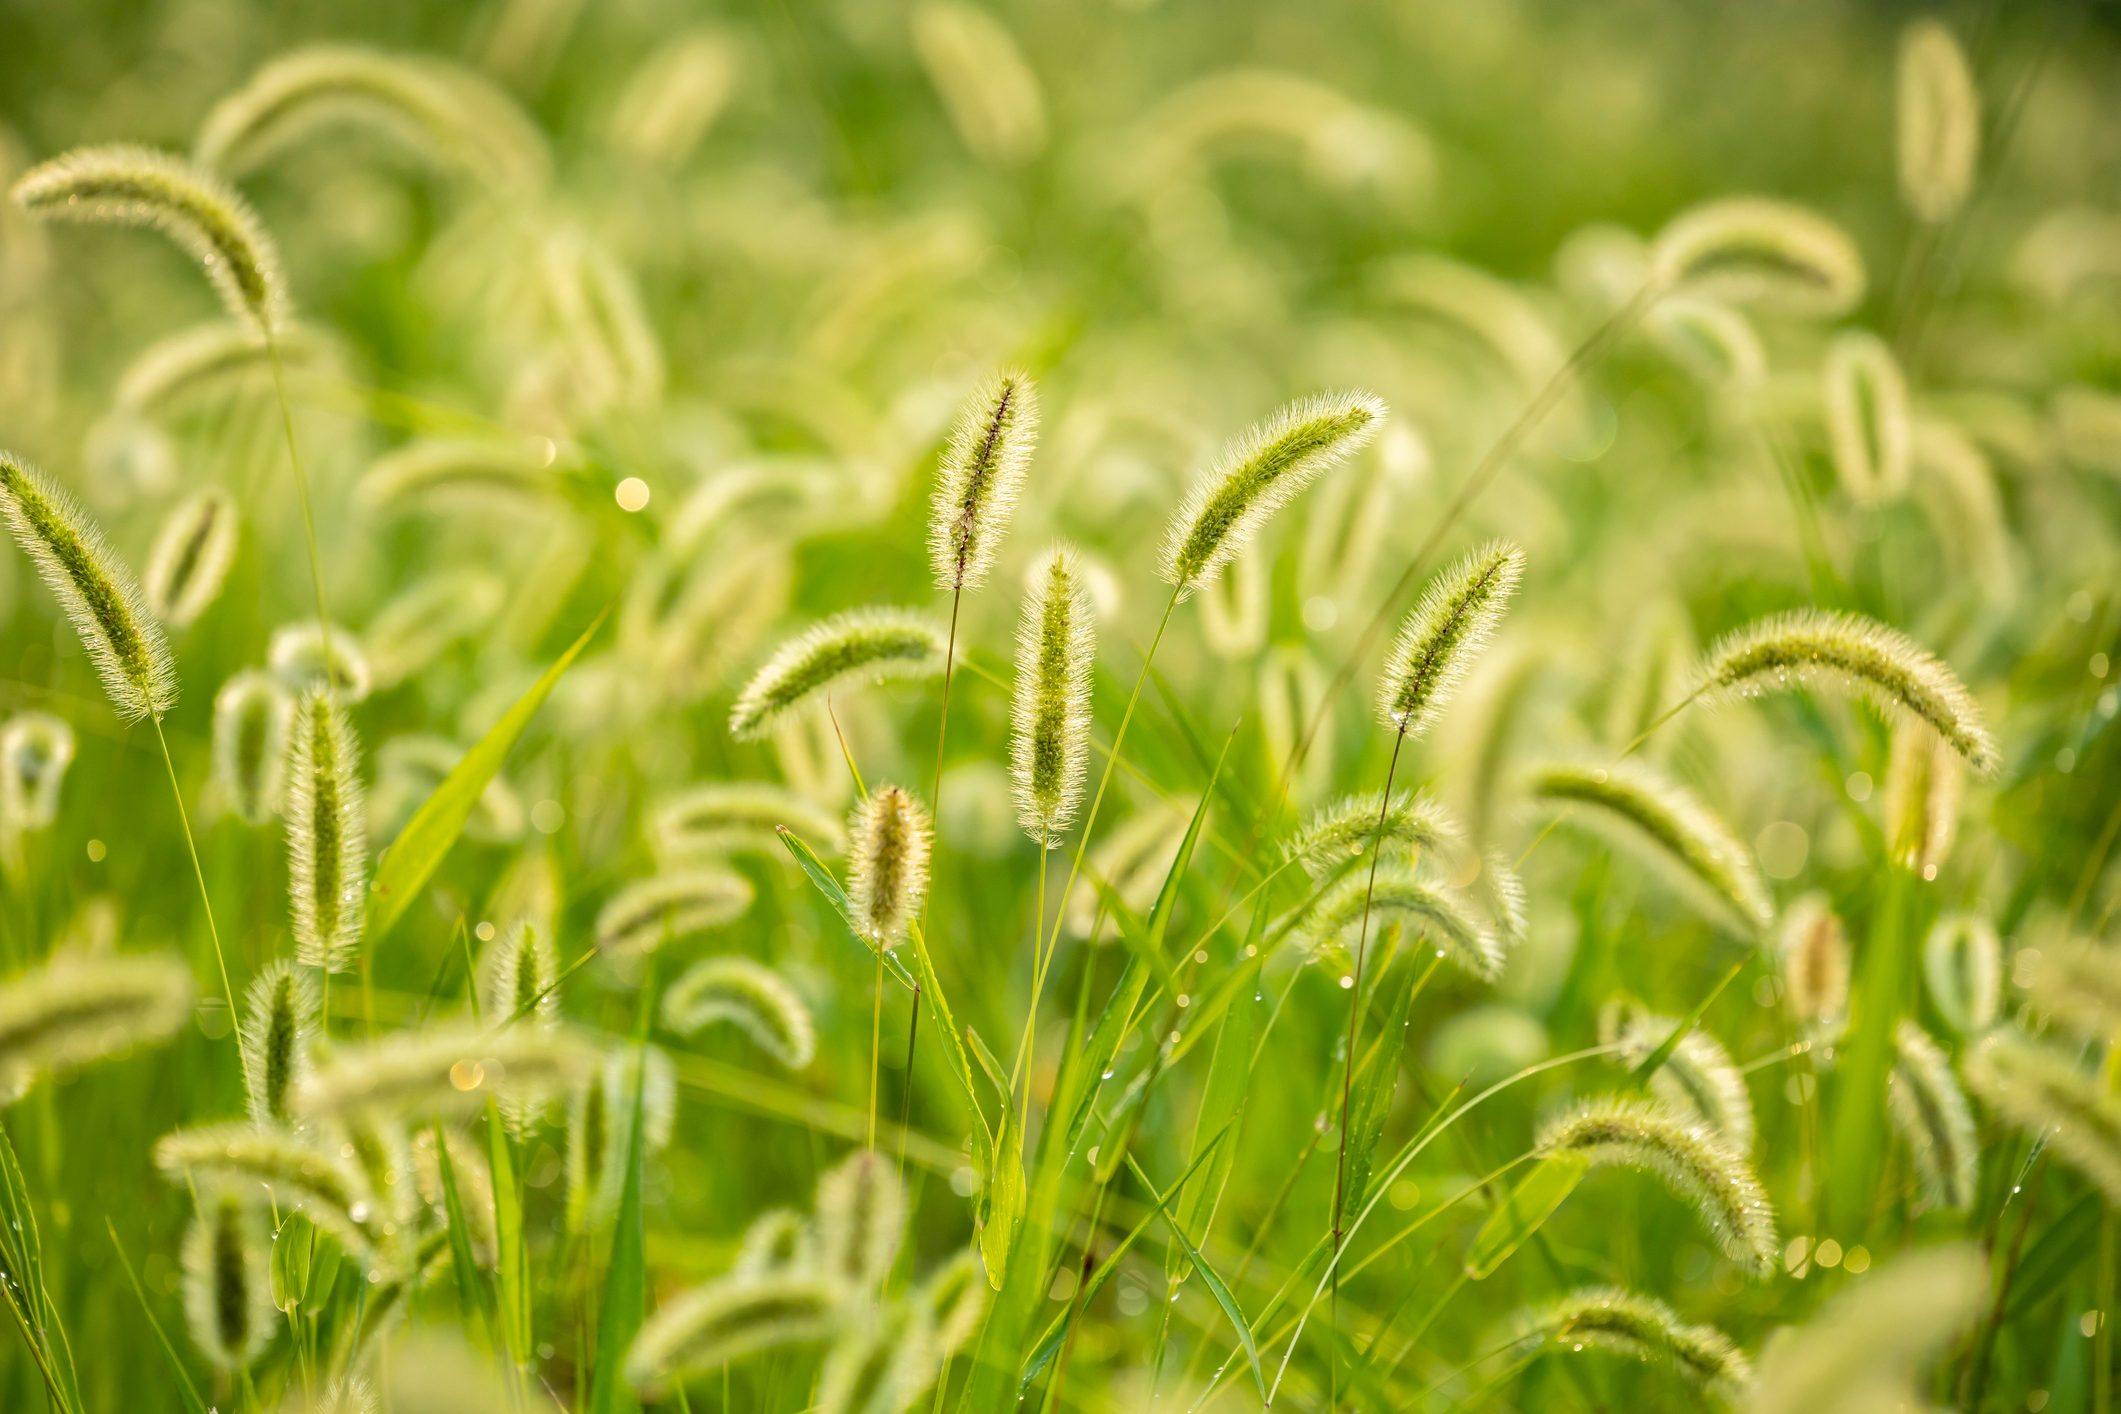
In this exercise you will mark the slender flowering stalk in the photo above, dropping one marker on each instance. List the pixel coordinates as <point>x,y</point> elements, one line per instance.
<point>1924,779</point>
<point>852,649</point>
<point>981,476</point>
<point>667,907</point>
<point>444,1072</point>
<point>1049,742</point>
<point>887,865</point>
<point>77,1009</point>
<point>861,1220</point>
<point>1456,617</point>
<point>2041,1091</point>
<point>191,557</point>
<point>280,1024</point>
<point>721,818</point>
<point>1939,122</point>
<point>1697,1077</point>
<point>1668,827</point>
<point>1261,472</point>
<point>1813,948</point>
<point>228,1303</point>
<point>1930,1113</point>
<point>1847,652</point>
<point>1689,1158</point>
<point>136,186</point>
<point>327,835</point>
<point>750,995</point>
<point>713,1325</point>
<point>252,714</point>
<point>1746,250</point>
<point>1962,963</point>
<point>96,591</point>
<point>1626,1323</point>
<point>1869,427</point>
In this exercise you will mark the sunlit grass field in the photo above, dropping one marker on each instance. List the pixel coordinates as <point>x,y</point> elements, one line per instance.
<point>1112,707</point>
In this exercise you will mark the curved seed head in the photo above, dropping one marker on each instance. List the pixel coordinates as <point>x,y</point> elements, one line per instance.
<point>1257,475</point>
<point>1930,1113</point>
<point>1697,1078</point>
<point>1667,826</point>
<point>778,1240</point>
<point>518,976</point>
<point>1822,650</point>
<point>1689,1158</point>
<point>137,186</point>
<point>1625,1323</point>
<point>35,750</point>
<point>727,1319</point>
<point>444,1072</point>
<point>228,1303</point>
<point>1049,742</point>
<point>308,658</point>
<point>1755,250</point>
<point>77,1009</point>
<point>721,818</point>
<point>96,591</point>
<point>2075,981</point>
<point>421,624</point>
<point>1924,778</point>
<point>887,875</point>
<point>848,650</point>
<point>472,1173</point>
<point>252,714</point>
<point>1940,122</point>
<point>991,94</point>
<point>462,475</point>
<point>1869,427</point>
<point>191,556</point>
<point>981,476</point>
<point>1710,340</point>
<point>648,913</point>
<point>299,1174</point>
<point>212,366</point>
<point>1338,835</point>
<point>861,1220</point>
<point>1454,620</point>
<point>600,1129</point>
<point>2045,1094</point>
<point>1962,962</point>
<point>327,834</point>
<point>753,997</point>
<point>1866,1347</point>
<point>1434,916</point>
<point>280,1010</point>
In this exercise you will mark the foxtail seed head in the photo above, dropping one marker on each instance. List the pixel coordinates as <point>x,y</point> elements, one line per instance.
<point>981,476</point>
<point>1690,1159</point>
<point>35,750</point>
<point>307,657</point>
<point>861,1220</point>
<point>1924,779</point>
<point>191,557</point>
<point>1962,963</point>
<point>1820,650</point>
<point>1435,916</point>
<point>720,818</point>
<point>1940,122</point>
<point>600,1128</point>
<point>228,1303</point>
<point>1746,250</point>
<point>327,835</point>
<point>444,1072</point>
<point>887,864</point>
<point>76,1009</point>
<point>1620,1321</point>
<point>1864,1349</point>
<point>648,913</point>
<point>1869,427</point>
<point>728,1318</point>
<point>1258,474</point>
<point>2077,982</point>
<point>1454,620</point>
<point>1813,948</point>
<point>137,186</point>
<point>1049,742</point>
<point>2045,1094</point>
<point>753,997</point>
<point>239,1158</point>
<point>1697,1079</point>
<point>252,714</point>
<point>517,976</point>
<point>279,1024</point>
<point>461,473</point>
<point>1340,834</point>
<point>96,591</point>
<point>1930,1112</point>
<point>851,649</point>
<point>1668,827</point>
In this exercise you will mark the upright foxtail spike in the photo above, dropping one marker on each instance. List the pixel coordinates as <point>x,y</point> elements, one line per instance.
<point>1049,741</point>
<point>981,476</point>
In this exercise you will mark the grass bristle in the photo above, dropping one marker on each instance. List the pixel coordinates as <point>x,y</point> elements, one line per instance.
<point>2046,1095</point>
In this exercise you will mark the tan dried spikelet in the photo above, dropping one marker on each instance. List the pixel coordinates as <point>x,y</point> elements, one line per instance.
<point>887,864</point>
<point>137,186</point>
<point>981,476</point>
<point>124,644</point>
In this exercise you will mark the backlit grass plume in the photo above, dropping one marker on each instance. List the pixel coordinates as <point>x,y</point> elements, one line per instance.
<point>1666,825</point>
<point>191,556</point>
<point>1435,916</point>
<point>861,1220</point>
<point>1697,1077</point>
<point>1627,1323</point>
<point>461,474</point>
<point>308,657</point>
<point>211,365</point>
<point>1924,780</point>
<point>666,907</point>
<point>1939,122</point>
<point>1869,427</point>
<point>714,1325</point>
<point>76,1009</point>
<point>719,818</point>
<point>137,186</point>
<point>2077,983</point>
<point>981,476</point>
<point>1687,1157</point>
<point>887,864</point>
<point>1812,947</point>
<point>36,749</point>
<point>1339,834</point>
<point>600,1121</point>
<point>253,712</point>
<point>852,649</point>
<point>1962,965</point>
<point>1866,1347</point>
<point>228,1305</point>
<point>1049,709</point>
<point>1258,474</point>
<point>445,1071</point>
<point>241,1158</point>
<point>433,110</point>
<point>1930,1113</point>
<point>750,995</point>
<point>2047,1095</point>
<point>1457,615</point>
<point>327,834</point>
<point>96,591</point>
<point>280,1024</point>
<point>1820,650</point>
<point>518,973</point>
<point>1757,250</point>
<point>421,624</point>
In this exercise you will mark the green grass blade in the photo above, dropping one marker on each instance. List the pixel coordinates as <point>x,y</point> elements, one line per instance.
<point>471,1287</point>
<point>22,1272</point>
<point>511,1261</point>
<point>1209,1277</point>
<point>176,1362</point>
<point>625,1280</point>
<point>1524,1211</point>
